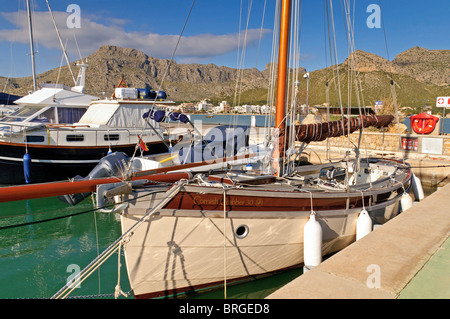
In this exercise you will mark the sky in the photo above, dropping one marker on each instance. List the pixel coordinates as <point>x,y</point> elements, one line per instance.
<point>213,30</point>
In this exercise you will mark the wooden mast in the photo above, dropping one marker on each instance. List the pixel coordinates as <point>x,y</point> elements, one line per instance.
<point>283,51</point>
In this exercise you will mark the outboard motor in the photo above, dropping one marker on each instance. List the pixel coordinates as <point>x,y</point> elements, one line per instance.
<point>113,164</point>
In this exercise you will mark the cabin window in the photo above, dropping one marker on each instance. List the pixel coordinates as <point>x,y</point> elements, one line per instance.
<point>35,139</point>
<point>111,137</point>
<point>75,138</point>
<point>22,114</point>
<point>46,117</point>
<point>68,115</point>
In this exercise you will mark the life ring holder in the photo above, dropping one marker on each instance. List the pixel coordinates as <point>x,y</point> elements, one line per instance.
<point>423,123</point>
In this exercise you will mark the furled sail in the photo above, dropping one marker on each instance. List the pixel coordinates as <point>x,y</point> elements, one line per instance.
<point>321,131</point>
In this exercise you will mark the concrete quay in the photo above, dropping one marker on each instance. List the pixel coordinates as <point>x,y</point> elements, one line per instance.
<point>406,258</point>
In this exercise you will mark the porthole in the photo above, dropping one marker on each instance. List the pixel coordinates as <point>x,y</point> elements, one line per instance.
<point>75,138</point>
<point>35,139</point>
<point>241,231</point>
<point>111,137</point>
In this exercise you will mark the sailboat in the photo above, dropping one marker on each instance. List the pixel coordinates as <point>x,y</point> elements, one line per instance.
<point>225,226</point>
<point>222,227</point>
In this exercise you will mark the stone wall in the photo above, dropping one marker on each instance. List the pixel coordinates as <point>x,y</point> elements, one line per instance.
<point>425,145</point>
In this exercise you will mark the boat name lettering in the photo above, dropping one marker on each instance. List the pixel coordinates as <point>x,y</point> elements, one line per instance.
<point>199,200</point>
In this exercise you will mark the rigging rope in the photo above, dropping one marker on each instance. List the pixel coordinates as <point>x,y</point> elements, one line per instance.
<point>97,262</point>
<point>147,119</point>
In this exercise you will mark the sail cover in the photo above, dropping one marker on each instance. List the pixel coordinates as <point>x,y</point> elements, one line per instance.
<point>320,131</point>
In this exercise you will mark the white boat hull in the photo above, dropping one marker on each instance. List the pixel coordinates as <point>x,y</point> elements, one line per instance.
<point>169,255</point>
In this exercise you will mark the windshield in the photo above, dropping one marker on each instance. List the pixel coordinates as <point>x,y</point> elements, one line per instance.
<point>44,115</point>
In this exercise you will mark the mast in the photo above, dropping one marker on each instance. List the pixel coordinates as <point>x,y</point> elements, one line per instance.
<point>283,51</point>
<point>31,45</point>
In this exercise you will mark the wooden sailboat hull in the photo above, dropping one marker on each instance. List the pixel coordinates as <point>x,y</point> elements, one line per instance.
<point>185,254</point>
<point>184,246</point>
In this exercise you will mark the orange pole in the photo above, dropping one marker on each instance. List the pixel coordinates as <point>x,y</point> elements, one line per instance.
<point>163,174</point>
<point>282,63</point>
<point>30,191</point>
<point>283,51</point>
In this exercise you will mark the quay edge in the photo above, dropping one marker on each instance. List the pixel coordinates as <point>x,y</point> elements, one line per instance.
<point>408,254</point>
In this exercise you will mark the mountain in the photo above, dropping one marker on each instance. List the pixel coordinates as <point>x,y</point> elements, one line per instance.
<point>420,74</point>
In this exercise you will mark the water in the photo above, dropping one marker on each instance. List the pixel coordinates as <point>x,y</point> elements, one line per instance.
<point>36,260</point>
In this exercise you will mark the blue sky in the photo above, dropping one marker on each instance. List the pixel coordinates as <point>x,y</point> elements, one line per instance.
<point>212,32</point>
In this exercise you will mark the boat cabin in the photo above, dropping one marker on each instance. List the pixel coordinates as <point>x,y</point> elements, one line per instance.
<point>53,104</point>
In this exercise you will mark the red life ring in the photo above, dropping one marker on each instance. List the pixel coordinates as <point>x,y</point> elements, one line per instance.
<point>423,123</point>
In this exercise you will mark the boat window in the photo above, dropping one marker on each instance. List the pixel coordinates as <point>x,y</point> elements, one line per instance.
<point>75,138</point>
<point>111,137</point>
<point>241,231</point>
<point>68,115</point>
<point>35,138</point>
<point>48,116</point>
<point>22,114</point>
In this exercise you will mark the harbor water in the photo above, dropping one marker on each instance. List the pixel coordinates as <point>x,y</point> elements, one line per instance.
<point>45,242</point>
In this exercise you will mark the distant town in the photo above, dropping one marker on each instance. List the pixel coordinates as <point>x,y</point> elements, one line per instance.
<point>223,108</point>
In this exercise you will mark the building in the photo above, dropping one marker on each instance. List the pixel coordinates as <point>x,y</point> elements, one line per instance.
<point>204,106</point>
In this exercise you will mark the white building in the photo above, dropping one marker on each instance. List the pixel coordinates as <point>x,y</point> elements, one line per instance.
<point>204,106</point>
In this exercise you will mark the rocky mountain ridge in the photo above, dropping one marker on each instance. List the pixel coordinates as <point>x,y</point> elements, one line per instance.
<point>419,73</point>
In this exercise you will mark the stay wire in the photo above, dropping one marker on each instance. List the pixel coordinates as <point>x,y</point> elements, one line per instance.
<point>161,84</point>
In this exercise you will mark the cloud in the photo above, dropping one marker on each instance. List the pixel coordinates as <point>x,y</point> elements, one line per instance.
<point>93,33</point>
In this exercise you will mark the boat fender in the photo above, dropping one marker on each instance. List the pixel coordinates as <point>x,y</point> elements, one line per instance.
<point>27,167</point>
<point>417,188</point>
<point>312,243</point>
<point>406,201</point>
<point>363,224</point>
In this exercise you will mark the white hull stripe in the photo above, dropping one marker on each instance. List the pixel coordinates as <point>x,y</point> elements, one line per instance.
<point>15,159</point>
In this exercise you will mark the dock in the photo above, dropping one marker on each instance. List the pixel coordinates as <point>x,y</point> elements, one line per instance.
<point>406,258</point>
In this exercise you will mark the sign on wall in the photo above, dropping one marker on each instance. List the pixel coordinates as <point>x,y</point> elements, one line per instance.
<point>443,101</point>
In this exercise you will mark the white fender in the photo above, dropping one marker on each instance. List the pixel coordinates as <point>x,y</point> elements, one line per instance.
<point>312,243</point>
<point>363,224</point>
<point>417,188</point>
<point>406,201</point>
